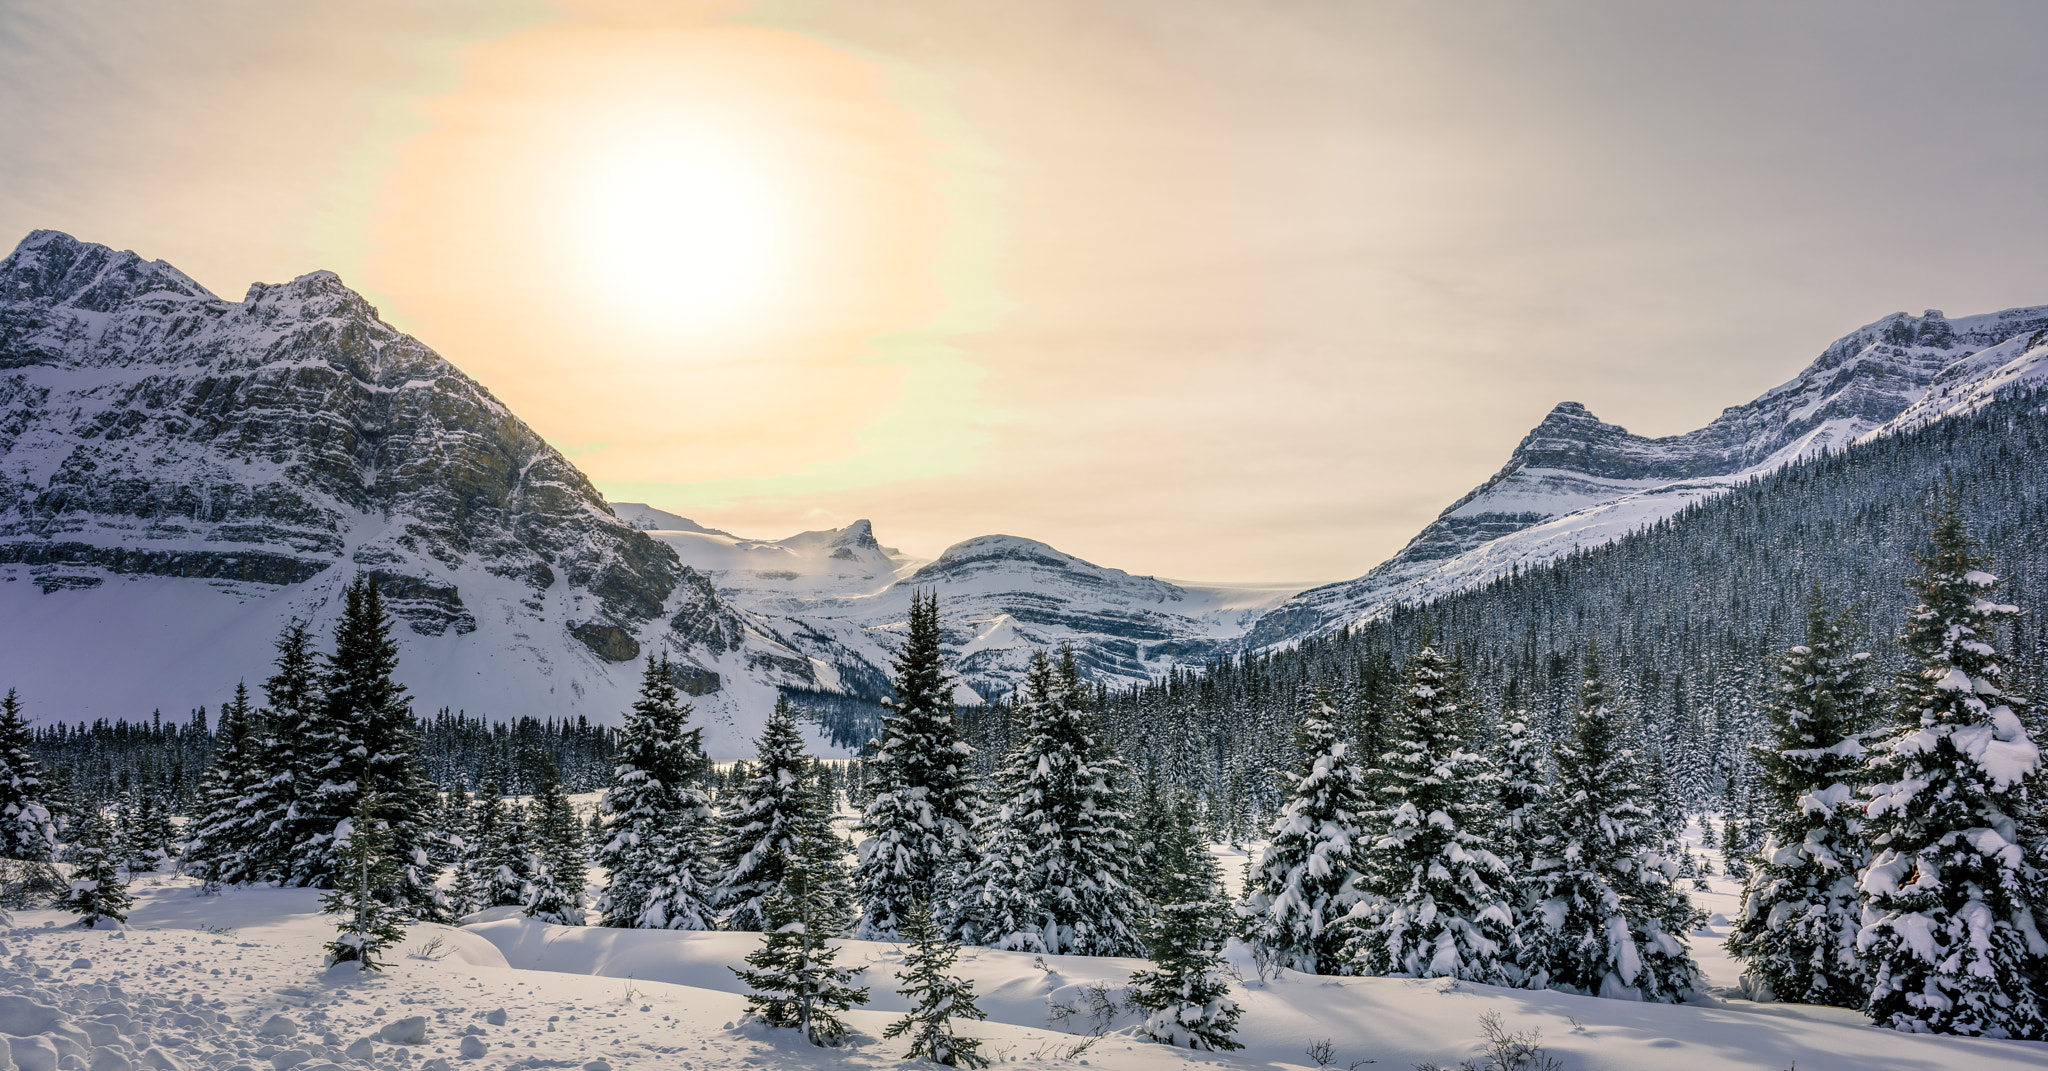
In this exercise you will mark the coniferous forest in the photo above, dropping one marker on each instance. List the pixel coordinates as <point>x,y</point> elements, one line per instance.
<point>1836,659</point>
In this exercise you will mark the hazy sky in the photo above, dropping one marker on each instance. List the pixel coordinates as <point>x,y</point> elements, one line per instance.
<point>1211,290</point>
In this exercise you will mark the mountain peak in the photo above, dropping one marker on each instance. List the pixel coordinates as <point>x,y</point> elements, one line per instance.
<point>53,268</point>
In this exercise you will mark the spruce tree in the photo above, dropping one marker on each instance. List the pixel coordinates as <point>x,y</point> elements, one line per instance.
<point>1188,1001</point>
<point>1952,902</point>
<point>1310,876</point>
<point>792,975</point>
<point>656,814</point>
<point>278,802</point>
<point>1439,904</point>
<point>919,823</point>
<point>774,808</point>
<point>936,996</point>
<point>555,891</point>
<point>96,890</point>
<point>364,742</point>
<point>504,851</point>
<point>1524,765</point>
<point>224,842</point>
<point>1796,932</point>
<point>1058,861</point>
<point>1611,919</point>
<point>27,831</point>
<point>370,865</point>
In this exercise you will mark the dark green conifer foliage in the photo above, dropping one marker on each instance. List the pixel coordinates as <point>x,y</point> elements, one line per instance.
<point>367,925</point>
<point>27,831</point>
<point>279,803</point>
<point>97,891</point>
<point>225,842</point>
<point>1440,893</point>
<point>777,806</point>
<point>1796,933</point>
<point>936,996</point>
<point>656,815</point>
<point>921,816</point>
<point>1611,918</point>
<point>1311,874</point>
<point>557,885</point>
<point>1953,903</point>
<point>506,852</point>
<point>793,977</point>
<point>364,741</point>
<point>1188,1000</point>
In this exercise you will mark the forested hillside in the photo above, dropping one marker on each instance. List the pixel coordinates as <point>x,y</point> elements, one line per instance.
<point>1683,612</point>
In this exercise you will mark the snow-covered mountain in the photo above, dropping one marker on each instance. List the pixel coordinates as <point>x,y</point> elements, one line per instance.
<point>181,475</point>
<point>1576,482</point>
<point>842,598</point>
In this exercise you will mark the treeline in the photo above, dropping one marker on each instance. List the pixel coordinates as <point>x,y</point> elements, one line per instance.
<point>1685,611</point>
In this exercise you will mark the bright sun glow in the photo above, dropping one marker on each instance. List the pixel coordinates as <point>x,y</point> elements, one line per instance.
<point>683,233</point>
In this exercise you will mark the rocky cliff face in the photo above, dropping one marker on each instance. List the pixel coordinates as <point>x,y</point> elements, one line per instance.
<point>1575,481</point>
<point>270,448</point>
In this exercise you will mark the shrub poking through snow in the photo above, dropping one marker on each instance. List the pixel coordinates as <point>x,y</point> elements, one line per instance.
<point>1439,891</point>
<point>920,819</point>
<point>1951,934</point>
<point>936,995</point>
<point>1796,932</point>
<point>363,845</point>
<point>97,891</point>
<point>1189,1001</point>
<point>1309,878</point>
<point>1610,915</point>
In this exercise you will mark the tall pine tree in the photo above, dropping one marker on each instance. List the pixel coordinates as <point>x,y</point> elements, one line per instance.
<point>1439,906</point>
<point>655,815</point>
<point>1311,875</point>
<point>920,821</point>
<point>1951,923</point>
<point>555,891</point>
<point>225,843</point>
<point>793,975</point>
<point>1058,861</point>
<point>1796,932</point>
<point>768,815</point>
<point>27,831</point>
<point>1187,1000</point>
<point>1611,919</point>
<point>278,802</point>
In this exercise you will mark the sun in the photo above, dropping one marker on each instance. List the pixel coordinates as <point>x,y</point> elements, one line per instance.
<point>682,231</point>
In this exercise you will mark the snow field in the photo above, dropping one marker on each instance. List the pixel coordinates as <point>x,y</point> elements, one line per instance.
<point>194,981</point>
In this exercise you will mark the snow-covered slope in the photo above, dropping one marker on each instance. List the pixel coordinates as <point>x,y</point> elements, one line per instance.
<point>1576,482</point>
<point>180,475</point>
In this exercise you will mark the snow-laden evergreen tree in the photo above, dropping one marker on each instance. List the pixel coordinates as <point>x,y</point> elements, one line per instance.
<point>506,854</point>
<point>225,841</point>
<point>1439,902</point>
<point>554,893</point>
<point>27,831</point>
<point>937,996</point>
<point>1187,1000</point>
<point>1524,765</point>
<point>293,694</point>
<point>1058,860</point>
<point>1796,932</point>
<point>773,809</point>
<point>656,815</point>
<point>1951,925</point>
<point>96,891</point>
<point>364,741</point>
<point>1310,876</point>
<point>793,976</point>
<point>919,823</point>
<point>1611,918</point>
<point>142,832</point>
<point>367,926</point>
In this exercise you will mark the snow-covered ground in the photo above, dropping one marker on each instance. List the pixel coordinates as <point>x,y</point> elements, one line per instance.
<point>236,981</point>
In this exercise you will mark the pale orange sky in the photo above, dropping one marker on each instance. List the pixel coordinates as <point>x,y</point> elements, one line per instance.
<point>1211,290</point>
